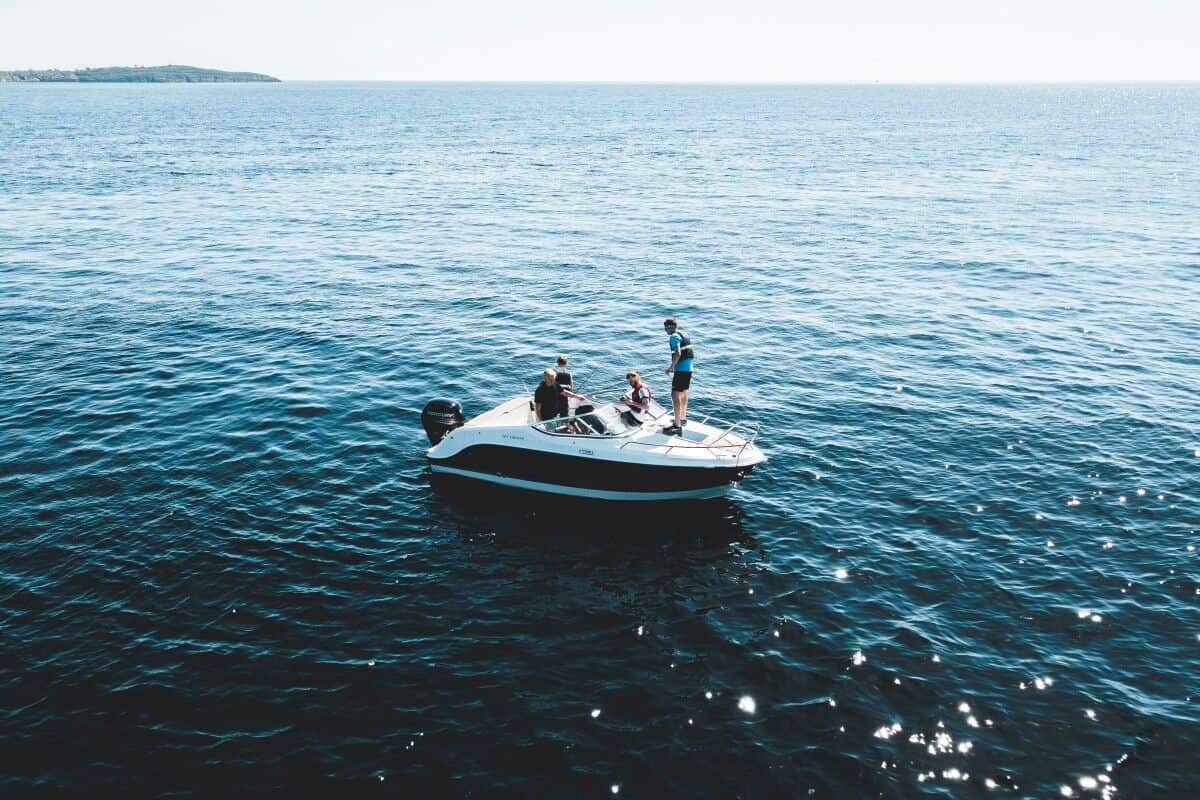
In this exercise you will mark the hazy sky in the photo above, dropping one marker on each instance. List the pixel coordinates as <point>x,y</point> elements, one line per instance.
<point>618,40</point>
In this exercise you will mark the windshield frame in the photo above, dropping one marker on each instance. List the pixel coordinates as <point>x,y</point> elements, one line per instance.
<point>608,415</point>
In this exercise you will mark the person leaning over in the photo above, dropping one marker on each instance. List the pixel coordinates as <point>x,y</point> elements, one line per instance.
<point>681,366</point>
<point>563,378</point>
<point>547,394</point>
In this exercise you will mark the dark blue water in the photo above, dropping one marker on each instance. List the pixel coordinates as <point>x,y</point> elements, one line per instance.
<point>966,317</point>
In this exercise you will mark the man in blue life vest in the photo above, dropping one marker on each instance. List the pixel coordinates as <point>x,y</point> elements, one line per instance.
<point>681,365</point>
<point>637,399</point>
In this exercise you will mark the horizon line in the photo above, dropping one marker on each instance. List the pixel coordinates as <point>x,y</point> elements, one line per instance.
<point>720,82</point>
<point>939,81</point>
<point>999,81</point>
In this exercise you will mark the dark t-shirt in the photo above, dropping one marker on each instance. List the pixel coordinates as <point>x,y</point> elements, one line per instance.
<point>546,398</point>
<point>563,378</point>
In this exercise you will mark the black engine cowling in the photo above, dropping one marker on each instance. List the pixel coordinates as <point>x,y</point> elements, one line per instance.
<point>439,417</point>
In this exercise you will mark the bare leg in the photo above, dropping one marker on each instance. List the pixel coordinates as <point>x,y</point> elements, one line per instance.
<point>678,402</point>
<point>683,397</point>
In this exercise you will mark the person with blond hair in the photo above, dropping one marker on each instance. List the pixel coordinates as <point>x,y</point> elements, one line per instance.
<point>548,393</point>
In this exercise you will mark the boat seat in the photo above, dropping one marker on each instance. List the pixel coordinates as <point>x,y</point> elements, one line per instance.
<point>592,424</point>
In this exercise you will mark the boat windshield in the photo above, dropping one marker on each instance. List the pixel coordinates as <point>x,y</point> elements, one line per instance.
<point>604,421</point>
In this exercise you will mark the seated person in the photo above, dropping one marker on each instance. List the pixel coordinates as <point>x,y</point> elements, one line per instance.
<point>547,394</point>
<point>637,400</point>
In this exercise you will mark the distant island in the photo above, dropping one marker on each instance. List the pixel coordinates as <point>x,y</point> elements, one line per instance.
<point>172,73</point>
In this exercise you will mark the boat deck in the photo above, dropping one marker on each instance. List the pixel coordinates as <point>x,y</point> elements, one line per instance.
<point>516,412</point>
<point>512,412</point>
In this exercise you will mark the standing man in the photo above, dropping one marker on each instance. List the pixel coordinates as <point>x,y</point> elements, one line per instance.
<point>547,395</point>
<point>681,365</point>
<point>563,379</point>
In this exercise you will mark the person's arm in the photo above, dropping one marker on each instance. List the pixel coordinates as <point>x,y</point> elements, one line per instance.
<point>676,352</point>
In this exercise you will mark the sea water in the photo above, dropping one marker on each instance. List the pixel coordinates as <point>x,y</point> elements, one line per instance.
<point>966,318</point>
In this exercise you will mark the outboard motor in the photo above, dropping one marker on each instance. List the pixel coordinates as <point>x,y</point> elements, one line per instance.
<point>439,417</point>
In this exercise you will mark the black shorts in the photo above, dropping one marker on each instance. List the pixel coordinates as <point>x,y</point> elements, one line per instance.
<point>681,381</point>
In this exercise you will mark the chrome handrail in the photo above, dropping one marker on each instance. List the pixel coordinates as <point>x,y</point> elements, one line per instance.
<point>751,427</point>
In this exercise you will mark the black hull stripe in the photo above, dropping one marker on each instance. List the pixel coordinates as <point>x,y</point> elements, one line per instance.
<point>555,468</point>
<point>453,473</point>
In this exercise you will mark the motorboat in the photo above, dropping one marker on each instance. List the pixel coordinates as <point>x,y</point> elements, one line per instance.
<point>600,450</point>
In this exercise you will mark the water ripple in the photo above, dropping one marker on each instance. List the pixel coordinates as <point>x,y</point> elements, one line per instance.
<point>965,316</point>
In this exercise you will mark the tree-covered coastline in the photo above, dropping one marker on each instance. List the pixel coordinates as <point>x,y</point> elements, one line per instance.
<point>171,73</point>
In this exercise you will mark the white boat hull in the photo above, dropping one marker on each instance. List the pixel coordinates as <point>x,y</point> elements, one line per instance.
<point>595,455</point>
